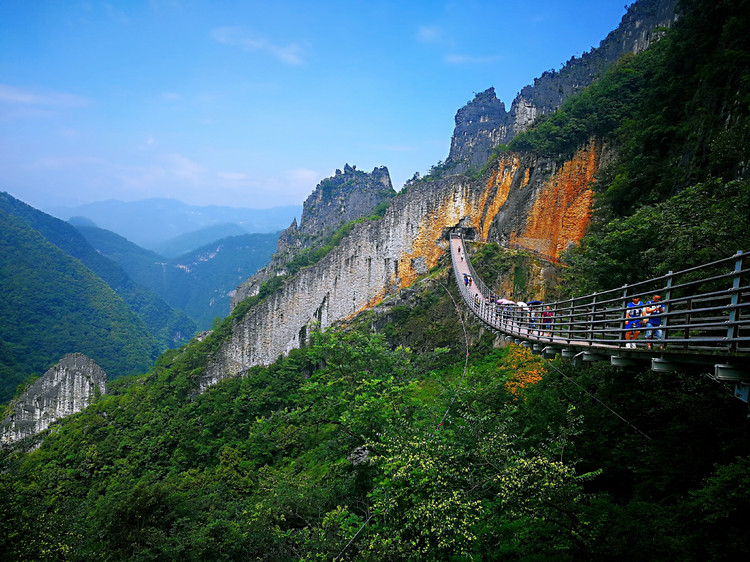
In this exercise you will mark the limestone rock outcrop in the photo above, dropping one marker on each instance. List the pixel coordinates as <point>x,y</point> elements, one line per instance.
<point>337,200</point>
<point>67,388</point>
<point>484,123</point>
<point>520,199</point>
<point>346,196</point>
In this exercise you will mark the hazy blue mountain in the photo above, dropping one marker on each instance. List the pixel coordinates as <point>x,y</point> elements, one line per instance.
<point>185,243</point>
<point>151,222</point>
<point>170,327</point>
<point>201,282</point>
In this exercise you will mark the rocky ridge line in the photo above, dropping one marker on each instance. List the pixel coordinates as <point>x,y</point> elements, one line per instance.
<point>484,123</point>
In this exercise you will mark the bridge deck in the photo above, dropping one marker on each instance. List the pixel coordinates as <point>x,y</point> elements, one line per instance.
<point>705,320</point>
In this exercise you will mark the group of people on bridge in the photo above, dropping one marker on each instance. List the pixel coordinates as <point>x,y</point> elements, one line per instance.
<point>537,319</point>
<point>648,316</point>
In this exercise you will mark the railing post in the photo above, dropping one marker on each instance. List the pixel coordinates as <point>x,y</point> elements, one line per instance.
<point>688,319</point>
<point>734,301</point>
<point>623,321</point>
<point>571,310</point>
<point>590,321</point>
<point>667,306</point>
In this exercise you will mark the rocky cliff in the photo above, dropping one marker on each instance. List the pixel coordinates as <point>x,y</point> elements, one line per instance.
<point>542,207</point>
<point>344,197</point>
<point>484,123</point>
<point>521,201</point>
<point>65,389</point>
<point>518,201</point>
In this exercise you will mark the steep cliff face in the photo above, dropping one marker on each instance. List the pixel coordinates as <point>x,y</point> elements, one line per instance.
<point>65,389</point>
<point>481,125</point>
<point>346,196</point>
<point>380,257</point>
<point>545,209</point>
<point>337,200</point>
<point>523,201</point>
<point>377,257</point>
<point>484,123</point>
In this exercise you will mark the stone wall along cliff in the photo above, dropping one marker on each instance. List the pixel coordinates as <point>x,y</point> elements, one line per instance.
<point>377,257</point>
<point>65,389</point>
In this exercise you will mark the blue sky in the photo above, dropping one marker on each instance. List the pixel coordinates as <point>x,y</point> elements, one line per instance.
<point>251,104</point>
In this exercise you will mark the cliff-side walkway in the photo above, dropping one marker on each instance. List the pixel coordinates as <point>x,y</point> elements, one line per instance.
<point>703,321</point>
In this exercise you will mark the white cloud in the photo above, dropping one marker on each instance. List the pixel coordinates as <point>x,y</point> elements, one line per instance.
<point>291,187</point>
<point>246,40</point>
<point>178,166</point>
<point>176,176</point>
<point>308,176</point>
<point>234,178</point>
<point>12,95</point>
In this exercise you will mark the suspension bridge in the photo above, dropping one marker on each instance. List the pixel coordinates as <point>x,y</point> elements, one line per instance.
<point>703,317</point>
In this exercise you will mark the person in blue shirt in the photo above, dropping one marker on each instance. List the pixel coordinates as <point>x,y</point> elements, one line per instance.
<point>654,310</point>
<point>633,316</point>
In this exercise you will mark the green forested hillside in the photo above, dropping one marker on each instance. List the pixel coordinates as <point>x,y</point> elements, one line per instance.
<point>168,326</point>
<point>423,441</point>
<point>51,304</point>
<point>357,449</point>
<point>199,282</point>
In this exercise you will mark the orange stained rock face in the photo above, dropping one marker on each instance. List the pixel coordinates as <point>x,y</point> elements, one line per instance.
<point>562,211</point>
<point>453,209</point>
<point>497,189</point>
<point>558,217</point>
<point>448,212</point>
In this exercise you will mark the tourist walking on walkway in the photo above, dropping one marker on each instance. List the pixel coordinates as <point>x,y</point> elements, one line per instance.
<point>633,314</point>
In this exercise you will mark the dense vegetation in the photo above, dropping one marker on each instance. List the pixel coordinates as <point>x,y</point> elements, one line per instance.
<point>425,442</point>
<point>51,304</point>
<point>355,448</point>
<point>677,118</point>
<point>198,283</point>
<point>168,326</point>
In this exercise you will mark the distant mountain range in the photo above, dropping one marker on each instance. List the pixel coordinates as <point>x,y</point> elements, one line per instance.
<point>67,289</point>
<point>157,224</point>
<point>199,282</point>
<point>59,296</point>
